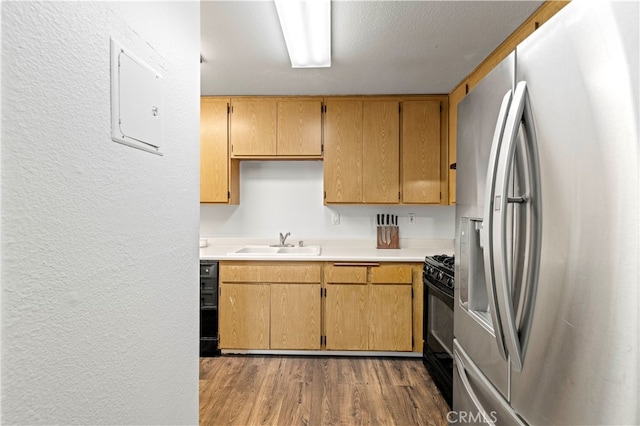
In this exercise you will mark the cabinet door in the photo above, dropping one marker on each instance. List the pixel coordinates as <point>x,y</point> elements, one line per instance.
<point>214,155</point>
<point>390,320</point>
<point>421,152</point>
<point>391,307</point>
<point>381,152</point>
<point>244,316</point>
<point>253,127</point>
<point>343,152</point>
<point>299,128</point>
<point>295,316</point>
<point>346,317</point>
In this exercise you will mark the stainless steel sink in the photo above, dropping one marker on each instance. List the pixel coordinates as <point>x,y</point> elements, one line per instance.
<point>274,251</point>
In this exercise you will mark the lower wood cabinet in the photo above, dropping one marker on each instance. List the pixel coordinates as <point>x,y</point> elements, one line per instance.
<point>320,306</point>
<point>245,322</point>
<point>270,305</point>
<point>390,327</point>
<point>346,317</point>
<point>369,306</point>
<point>295,316</point>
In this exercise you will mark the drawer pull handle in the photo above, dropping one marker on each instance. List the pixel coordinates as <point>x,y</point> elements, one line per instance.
<point>356,264</point>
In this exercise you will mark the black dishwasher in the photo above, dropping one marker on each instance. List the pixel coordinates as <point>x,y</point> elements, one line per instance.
<point>209,308</point>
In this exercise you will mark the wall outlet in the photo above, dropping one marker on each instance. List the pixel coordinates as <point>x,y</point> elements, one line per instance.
<point>335,219</point>
<point>412,218</point>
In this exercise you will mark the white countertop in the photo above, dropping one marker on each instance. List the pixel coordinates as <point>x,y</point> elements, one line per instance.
<point>412,250</point>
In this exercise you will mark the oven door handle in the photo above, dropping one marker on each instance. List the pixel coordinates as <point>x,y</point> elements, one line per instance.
<point>486,229</point>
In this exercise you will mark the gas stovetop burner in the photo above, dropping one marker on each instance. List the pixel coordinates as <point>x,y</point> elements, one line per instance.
<point>442,260</point>
<point>438,272</point>
<point>442,257</point>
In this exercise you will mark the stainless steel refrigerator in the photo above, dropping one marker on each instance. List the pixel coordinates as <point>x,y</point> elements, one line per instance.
<point>546,308</point>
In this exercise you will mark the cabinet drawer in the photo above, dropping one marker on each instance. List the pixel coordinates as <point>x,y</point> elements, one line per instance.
<point>271,272</point>
<point>345,274</point>
<point>392,274</point>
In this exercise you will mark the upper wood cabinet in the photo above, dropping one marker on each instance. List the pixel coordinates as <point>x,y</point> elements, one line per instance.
<point>343,151</point>
<point>421,154</point>
<point>276,127</point>
<point>218,175</point>
<point>253,127</point>
<point>381,151</point>
<point>299,128</point>
<point>376,150</point>
<point>214,157</point>
<point>362,146</point>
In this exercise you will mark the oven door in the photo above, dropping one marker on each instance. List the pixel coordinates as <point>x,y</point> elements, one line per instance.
<point>438,338</point>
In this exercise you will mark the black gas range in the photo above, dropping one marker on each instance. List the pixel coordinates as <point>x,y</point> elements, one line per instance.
<point>437,272</point>
<point>438,279</point>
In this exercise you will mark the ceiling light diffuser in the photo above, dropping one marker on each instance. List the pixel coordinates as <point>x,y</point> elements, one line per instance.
<point>306,25</point>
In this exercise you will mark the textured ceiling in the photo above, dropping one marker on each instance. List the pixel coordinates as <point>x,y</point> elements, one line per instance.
<point>378,47</point>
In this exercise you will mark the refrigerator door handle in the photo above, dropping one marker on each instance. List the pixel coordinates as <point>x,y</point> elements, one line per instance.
<point>516,337</point>
<point>462,373</point>
<point>486,231</point>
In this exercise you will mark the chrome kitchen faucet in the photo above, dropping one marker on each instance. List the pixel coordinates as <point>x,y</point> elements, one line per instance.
<point>283,239</point>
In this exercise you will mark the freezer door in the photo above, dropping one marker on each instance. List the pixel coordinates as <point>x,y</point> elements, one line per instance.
<point>475,400</point>
<point>475,323</point>
<point>581,363</point>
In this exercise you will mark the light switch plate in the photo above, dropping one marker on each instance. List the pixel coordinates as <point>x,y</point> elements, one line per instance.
<point>137,112</point>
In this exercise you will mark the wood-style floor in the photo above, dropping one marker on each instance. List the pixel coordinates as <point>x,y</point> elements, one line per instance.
<point>289,390</point>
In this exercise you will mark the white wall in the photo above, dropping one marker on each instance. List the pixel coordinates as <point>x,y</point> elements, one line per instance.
<point>1,287</point>
<point>99,240</point>
<point>286,196</point>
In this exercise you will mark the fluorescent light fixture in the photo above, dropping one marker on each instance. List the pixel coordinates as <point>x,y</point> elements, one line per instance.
<point>306,25</point>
